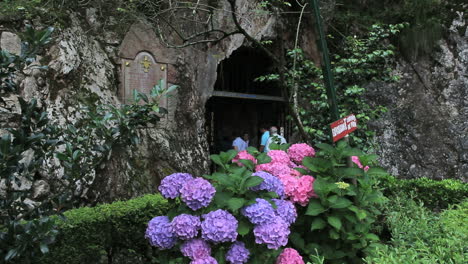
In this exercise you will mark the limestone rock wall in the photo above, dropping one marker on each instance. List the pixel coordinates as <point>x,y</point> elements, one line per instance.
<point>85,67</point>
<point>425,132</point>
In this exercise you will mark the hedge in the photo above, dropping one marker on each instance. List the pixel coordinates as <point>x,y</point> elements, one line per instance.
<point>114,233</point>
<point>434,194</point>
<point>105,232</point>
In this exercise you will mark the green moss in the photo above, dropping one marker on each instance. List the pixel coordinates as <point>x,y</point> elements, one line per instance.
<point>87,234</point>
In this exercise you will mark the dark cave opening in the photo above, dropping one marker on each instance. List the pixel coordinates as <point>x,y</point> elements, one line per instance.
<point>241,104</point>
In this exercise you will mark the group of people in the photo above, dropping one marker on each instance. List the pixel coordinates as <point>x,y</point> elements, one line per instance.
<point>269,136</point>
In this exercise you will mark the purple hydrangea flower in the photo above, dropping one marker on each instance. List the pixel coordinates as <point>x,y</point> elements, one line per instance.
<point>274,234</point>
<point>159,232</point>
<point>196,249</point>
<point>260,212</point>
<point>186,226</point>
<point>171,185</point>
<point>270,183</point>
<point>207,260</point>
<point>219,226</point>
<point>197,193</point>
<point>286,210</point>
<point>238,253</point>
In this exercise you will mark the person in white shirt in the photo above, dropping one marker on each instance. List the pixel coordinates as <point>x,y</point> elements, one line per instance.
<point>274,138</point>
<point>241,144</point>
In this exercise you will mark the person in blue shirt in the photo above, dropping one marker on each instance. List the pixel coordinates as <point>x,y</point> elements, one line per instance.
<point>241,143</point>
<point>265,137</point>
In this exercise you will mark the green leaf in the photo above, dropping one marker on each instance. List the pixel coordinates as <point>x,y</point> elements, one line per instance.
<point>11,254</point>
<point>243,228</point>
<point>326,147</point>
<point>322,187</point>
<point>372,237</point>
<point>252,150</point>
<point>302,171</point>
<point>247,163</point>
<point>235,203</point>
<point>229,156</point>
<point>253,181</point>
<point>216,159</point>
<point>221,198</point>
<point>307,162</point>
<point>314,208</point>
<point>61,156</point>
<point>351,172</point>
<point>339,202</point>
<point>44,248</point>
<point>352,152</point>
<point>334,221</point>
<point>333,234</point>
<point>361,214</point>
<point>317,224</point>
<point>263,158</point>
<point>297,240</point>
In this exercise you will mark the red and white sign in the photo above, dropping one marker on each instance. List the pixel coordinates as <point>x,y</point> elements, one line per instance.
<point>343,127</point>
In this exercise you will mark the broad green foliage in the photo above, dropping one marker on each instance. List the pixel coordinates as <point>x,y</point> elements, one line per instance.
<point>25,227</point>
<point>10,64</point>
<point>361,60</point>
<point>232,183</point>
<point>338,224</point>
<point>434,194</point>
<point>89,234</point>
<point>422,237</point>
<point>428,19</point>
<point>57,12</point>
<point>17,238</point>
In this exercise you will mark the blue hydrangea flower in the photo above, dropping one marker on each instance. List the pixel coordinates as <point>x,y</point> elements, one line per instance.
<point>286,210</point>
<point>259,212</point>
<point>197,193</point>
<point>171,185</point>
<point>273,234</point>
<point>207,260</point>
<point>186,226</point>
<point>196,249</point>
<point>219,226</point>
<point>159,233</point>
<point>238,253</point>
<point>270,184</point>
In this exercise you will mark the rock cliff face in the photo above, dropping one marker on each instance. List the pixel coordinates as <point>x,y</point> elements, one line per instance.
<point>85,67</point>
<point>425,132</point>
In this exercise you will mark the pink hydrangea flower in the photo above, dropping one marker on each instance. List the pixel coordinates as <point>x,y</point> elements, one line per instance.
<point>299,189</point>
<point>274,168</point>
<point>289,256</point>
<point>297,152</point>
<point>244,155</point>
<point>278,156</point>
<point>355,160</point>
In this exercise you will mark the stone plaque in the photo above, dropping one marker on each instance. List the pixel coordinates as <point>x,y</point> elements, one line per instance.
<point>142,74</point>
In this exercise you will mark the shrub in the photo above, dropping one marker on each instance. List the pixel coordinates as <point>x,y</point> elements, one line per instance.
<point>234,215</point>
<point>88,234</point>
<point>338,224</point>
<point>434,194</point>
<point>421,236</point>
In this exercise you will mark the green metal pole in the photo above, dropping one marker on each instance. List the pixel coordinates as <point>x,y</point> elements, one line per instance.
<point>326,66</point>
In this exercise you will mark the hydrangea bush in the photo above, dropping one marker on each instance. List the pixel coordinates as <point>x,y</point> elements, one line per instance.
<point>258,207</point>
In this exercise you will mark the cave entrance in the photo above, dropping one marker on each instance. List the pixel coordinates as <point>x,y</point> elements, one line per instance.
<point>241,104</point>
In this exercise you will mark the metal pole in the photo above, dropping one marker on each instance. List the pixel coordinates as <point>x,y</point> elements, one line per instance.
<point>326,66</point>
